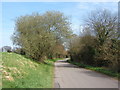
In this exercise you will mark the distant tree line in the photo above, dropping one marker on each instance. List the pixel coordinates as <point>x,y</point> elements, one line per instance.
<point>41,36</point>
<point>99,43</point>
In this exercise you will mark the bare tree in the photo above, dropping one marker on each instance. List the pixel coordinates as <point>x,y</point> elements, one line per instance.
<point>103,23</point>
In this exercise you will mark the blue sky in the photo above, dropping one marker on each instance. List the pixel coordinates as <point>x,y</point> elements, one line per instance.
<point>77,11</point>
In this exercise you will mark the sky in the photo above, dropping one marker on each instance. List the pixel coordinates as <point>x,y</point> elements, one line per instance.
<point>76,11</point>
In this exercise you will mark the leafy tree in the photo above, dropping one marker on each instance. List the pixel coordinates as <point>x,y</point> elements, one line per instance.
<point>38,34</point>
<point>99,44</point>
<point>82,48</point>
<point>103,25</point>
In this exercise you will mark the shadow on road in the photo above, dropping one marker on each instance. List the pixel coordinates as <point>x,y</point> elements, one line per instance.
<point>65,64</point>
<point>94,74</point>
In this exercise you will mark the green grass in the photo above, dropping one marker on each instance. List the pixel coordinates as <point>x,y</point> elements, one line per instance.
<point>98,69</point>
<point>21,72</point>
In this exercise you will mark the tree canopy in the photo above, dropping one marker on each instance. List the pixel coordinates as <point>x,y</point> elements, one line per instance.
<point>38,34</point>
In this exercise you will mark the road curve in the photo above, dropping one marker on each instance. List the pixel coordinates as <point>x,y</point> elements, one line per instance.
<point>70,76</point>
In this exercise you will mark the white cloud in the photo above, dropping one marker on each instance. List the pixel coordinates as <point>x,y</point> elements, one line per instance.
<point>90,6</point>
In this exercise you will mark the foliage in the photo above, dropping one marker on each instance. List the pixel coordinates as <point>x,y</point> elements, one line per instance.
<point>19,51</point>
<point>111,54</point>
<point>99,42</point>
<point>59,51</point>
<point>38,34</point>
<point>83,49</point>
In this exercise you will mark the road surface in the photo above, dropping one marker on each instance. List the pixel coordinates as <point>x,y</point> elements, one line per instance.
<point>70,76</point>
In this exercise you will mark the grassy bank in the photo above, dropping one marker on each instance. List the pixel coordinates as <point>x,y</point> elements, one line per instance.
<point>21,72</point>
<point>98,69</point>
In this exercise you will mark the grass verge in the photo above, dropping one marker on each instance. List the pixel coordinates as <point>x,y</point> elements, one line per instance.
<point>98,69</point>
<point>21,72</point>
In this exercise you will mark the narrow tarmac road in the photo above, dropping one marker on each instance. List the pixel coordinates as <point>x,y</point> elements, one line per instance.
<point>70,76</point>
